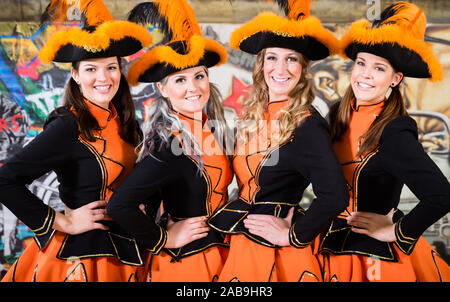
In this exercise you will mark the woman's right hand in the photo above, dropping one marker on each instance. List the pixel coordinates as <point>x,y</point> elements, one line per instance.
<point>185,231</point>
<point>273,229</point>
<point>83,219</point>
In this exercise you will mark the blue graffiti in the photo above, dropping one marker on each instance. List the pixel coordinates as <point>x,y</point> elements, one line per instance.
<point>10,78</point>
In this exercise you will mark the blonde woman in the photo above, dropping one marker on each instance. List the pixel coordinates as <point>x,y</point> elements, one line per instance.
<point>283,146</point>
<point>182,160</point>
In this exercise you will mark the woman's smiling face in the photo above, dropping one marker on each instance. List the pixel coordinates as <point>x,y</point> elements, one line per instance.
<point>99,79</point>
<point>371,78</point>
<point>282,71</point>
<point>187,90</point>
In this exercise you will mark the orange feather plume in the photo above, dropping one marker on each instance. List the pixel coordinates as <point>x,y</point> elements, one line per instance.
<point>410,17</point>
<point>93,11</point>
<point>180,18</point>
<point>295,9</point>
<point>175,18</point>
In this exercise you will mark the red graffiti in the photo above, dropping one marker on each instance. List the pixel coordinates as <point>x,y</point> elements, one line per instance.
<point>3,125</point>
<point>29,70</point>
<point>239,91</point>
<point>14,125</point>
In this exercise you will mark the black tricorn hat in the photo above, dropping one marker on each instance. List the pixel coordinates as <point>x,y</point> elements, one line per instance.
<point>399,37</point>
<point>182,47</point>
<point>299,31</point>
<point>100,35</point>
<point>161,69</point>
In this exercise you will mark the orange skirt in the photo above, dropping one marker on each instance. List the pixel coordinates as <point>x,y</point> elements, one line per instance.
<point>36,265</point>
<point>423,265</point>
<point>252,262</point>
<point>201,267</point>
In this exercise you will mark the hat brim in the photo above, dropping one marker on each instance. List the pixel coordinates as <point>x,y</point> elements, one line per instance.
<point>407,54</point>
<point>306,45</point>
<point>112,38</point>
<point>161,70</point>
<point>121,48</point>
<point>175,56</point>
<point>402,59</point>
<point>306,36</point>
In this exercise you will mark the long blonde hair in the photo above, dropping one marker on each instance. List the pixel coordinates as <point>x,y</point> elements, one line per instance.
<point>255,106</point>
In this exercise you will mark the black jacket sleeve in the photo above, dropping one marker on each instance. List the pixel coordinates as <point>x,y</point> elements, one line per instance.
<point>140,187</point>
<point>46,152</point>
<point>404,157</point>
<point>316,161</point>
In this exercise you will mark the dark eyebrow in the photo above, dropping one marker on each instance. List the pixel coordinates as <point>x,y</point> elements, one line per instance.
<point>200,71</point>
<point>382,64</point>
<point>288,54</point>
<point>376,63</point>
<point>184,75</point>
<point>95,65</point>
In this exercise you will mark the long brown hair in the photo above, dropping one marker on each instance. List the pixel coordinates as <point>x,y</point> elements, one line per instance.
<point>254,107</point>
<point>340,115</point>
<point>122,101</point>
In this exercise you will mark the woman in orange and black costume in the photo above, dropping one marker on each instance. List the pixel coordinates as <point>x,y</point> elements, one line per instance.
<point>377,145</point>
<point>182,161</point>
<point>89,143</point>
<point>283,146</point>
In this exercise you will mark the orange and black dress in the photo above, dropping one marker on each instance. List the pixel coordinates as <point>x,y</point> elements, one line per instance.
<point>87,171</point>
<point>272,180</point>
<point>187,189</point>
<point>375,181</point>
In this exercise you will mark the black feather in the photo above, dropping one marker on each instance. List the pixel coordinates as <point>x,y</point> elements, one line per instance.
<point>46,15</point>
<point>147,13</point>
<point>284,5</point>
<point>388,12</point>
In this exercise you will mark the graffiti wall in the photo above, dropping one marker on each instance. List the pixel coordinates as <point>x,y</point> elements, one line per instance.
<point>30,90</point>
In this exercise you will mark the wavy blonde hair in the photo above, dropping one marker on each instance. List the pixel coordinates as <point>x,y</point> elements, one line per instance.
<point>255,106</point>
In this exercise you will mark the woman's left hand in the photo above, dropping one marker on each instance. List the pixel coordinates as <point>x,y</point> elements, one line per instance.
<point>271,228</point>
<point>374,225</point>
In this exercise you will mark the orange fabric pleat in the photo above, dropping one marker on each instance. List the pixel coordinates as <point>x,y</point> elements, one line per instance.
<point>251,262</point>
<point>43,266</point>
<point>201,267</point>
<point>423,265</point>
<point>428,264</point>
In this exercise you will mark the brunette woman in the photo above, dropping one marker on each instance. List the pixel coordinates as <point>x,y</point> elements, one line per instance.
<point>89,142</point>
<point>283,146</point>
<point>377,145</point>
<point>182,160</point>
